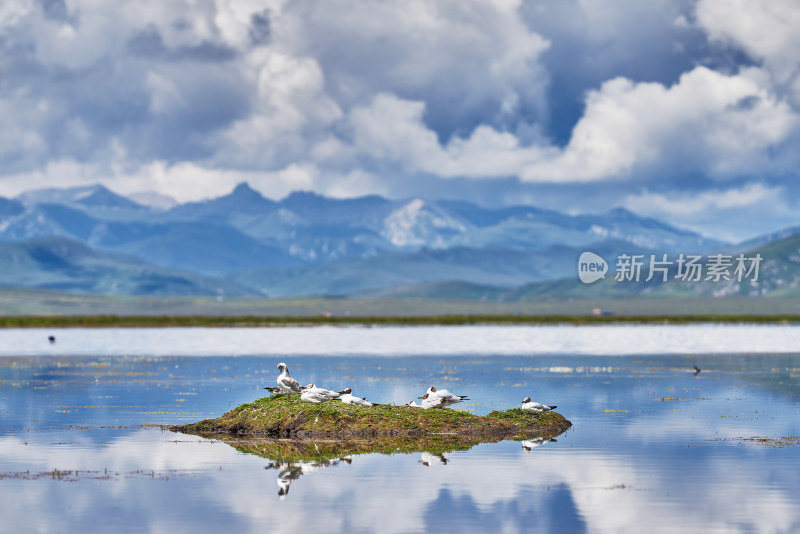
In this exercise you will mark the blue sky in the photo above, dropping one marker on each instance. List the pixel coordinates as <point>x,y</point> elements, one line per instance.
<point>688,111</point>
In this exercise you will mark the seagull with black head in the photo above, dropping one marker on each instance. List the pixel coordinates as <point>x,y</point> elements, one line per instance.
<point>286,383</point>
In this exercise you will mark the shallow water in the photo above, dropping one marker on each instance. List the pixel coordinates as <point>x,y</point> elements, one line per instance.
<point>509,340</point>
<point>654,446</point>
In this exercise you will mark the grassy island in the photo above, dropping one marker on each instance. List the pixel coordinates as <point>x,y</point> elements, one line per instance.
<point>278,417</point>
<point>282,429</point>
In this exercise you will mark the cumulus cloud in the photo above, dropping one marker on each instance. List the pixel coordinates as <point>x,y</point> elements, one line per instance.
<point>253,86</point>
<point>765,29</point>
<point>290,111</point>
<point>471,61</point>
<point>400,96</point>
<point>392,128</point>
<point>707,122</point>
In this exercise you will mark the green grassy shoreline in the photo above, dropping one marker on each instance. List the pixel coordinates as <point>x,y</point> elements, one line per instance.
<point>155,321</point>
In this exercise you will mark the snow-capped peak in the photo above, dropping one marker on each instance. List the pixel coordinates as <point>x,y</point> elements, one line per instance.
<point>420,224</point>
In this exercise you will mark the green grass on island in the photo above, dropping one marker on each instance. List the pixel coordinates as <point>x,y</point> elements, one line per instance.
<point>291,430</point>
<point>277,416</point>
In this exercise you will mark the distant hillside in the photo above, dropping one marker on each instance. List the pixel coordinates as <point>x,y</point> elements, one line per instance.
<point>779,272</point>
<point>448,290</point>
<point>498,267</point>
<point>315,228</point>
<point>778,276</point>
<point>66,265</point>
<point>204,246</point>
<point>766,239</point>
<point>309,244</point>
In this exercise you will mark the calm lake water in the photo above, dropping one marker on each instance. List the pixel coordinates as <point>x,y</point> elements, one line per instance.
<point>654,447</point>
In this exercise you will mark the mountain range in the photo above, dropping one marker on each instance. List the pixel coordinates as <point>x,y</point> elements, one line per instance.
<point>91,239</point>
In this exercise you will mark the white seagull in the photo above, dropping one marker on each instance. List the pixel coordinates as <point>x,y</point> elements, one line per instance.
<point>429,401</point>
<point>529,406</point>
<point>446,398</point>
<point>321,391</point>
<point>286,383</point>
<point>347,397</point>
<point>309,395</point>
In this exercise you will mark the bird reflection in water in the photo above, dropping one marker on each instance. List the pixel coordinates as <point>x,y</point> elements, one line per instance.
<point>289,472</point>
<point>429,459</point>
<point>529,444</point>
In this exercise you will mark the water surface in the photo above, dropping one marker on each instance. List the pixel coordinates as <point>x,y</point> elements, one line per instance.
<point>654,445</point>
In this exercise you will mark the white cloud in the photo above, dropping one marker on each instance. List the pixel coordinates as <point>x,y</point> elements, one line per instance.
<point>233,18</point>
<point>394,129</point>
<point>192,182</point>
<point>320,62</point>
<point>290,111</point>
<point>765,29</point>
<point>720,212</point>
<point>189,182</point>
<point>185,181</point>
<point>683,204</point>
<point>707,122</point>
<point>11,12</point>
<point>189,97</point>
<point>94,30</point>
<point>317,60</point>
<point>466,59</point>
<point>353,183</point>
<point>61,173</point>
<point>20,136</point>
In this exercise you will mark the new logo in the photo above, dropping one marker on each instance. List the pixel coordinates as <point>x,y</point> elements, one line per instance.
<point>591,267</point>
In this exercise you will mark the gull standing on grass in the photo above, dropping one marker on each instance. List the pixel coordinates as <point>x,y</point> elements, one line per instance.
<point>446,398</point>
<point>286,383</point>
<point>529,406</point>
